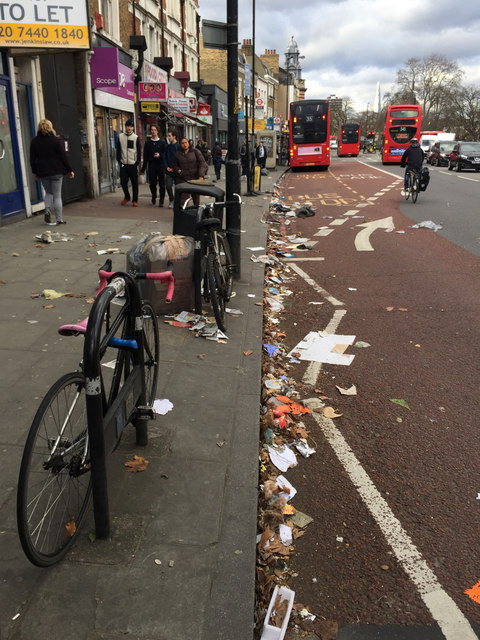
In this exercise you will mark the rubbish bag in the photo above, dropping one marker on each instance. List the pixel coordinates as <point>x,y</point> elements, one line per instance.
<point>153,253</point>
<point>424,178</point>
<point>264,171</point>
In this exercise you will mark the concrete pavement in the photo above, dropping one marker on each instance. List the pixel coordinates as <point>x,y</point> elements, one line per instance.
<point>181,560</point>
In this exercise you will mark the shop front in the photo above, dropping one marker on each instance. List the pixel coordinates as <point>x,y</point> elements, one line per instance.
<point>114,102</point>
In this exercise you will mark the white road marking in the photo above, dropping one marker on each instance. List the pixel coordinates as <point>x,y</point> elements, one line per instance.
<point>338,221</point>
<point>380,193</point>
<point>302,259</point>
<point>362,204</point>
<point>465,178</point>
<point>443,609</point>
<point>323,232</point>
<point>317,287</point>
<point>371,166</point>
<point>362,239</point>
<point>352,212</point>
<point>372,198</point>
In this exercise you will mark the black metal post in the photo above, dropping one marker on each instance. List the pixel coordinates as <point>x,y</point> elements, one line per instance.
<point>232,176</point>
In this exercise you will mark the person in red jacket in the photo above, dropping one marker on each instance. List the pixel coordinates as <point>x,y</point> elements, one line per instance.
<point>49,164</point>
<point>189,164</point>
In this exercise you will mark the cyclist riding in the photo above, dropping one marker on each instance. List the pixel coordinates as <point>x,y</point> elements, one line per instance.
<point>413,159</point>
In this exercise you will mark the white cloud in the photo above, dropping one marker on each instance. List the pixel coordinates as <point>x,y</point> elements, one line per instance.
<point>350,45</point>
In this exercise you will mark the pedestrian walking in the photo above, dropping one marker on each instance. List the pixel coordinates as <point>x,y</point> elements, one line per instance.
<point>261,155</point>
<point>153,152</point>
<point>189,164</point>
<point>49,164</point>
<point>168,156</point>
<point>217,159</point>
<point>128,155</point>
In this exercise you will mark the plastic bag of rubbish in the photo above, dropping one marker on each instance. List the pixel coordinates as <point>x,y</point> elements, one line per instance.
<point>305,212</point>
<point>427,224</point>
<point>304,449</point>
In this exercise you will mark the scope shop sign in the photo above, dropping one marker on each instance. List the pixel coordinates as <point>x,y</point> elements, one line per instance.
<point>44,25</point>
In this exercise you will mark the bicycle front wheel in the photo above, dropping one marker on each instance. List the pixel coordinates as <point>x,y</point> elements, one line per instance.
<point>151,351</point>
<point>54,482</point>
<point>216,289</point>
<point>415,188</point>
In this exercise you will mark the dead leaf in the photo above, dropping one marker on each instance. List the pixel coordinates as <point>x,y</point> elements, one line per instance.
<point>259,304</point>
<point>70,528</point>
<point>15,255</point>
<point>248,353</point>
<point>220,443</point>
<point>137,464</point>
<point>201,356</point>
<point>90,300</point>
<point>299,432</point>
<point>266,535</point>
<point>49,306</point>
<point>402,309</point>
<point>389,308</point>
<point>329,412</point>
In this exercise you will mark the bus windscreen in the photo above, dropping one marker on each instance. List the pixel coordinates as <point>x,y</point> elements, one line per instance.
<point>309,123</point>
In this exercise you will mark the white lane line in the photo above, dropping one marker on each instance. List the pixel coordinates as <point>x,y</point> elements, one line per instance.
<point>380,193</point>
<point>323,232</point>
<point>371,166</point>
<point>317,287</point>
<point>302,259</point>
<point>448,616</point>
<point>352,212</point>
<point>338,221</point>
<point>313,370</point>
<point>372,198</point>
<point>465,178</point>
<point>362,204</point>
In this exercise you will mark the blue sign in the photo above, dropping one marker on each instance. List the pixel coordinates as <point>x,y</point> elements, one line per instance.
<point>248,80</point>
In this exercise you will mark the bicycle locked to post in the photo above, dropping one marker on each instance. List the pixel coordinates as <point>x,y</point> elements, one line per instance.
<point>214,267</point>
<point>81,418</point>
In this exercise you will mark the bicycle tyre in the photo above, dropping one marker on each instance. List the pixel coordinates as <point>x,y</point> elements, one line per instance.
<point>151,351</point>
<point>216,290</point>
<point>226,264</point>
<point>415,187</point>
<point>53,492</point>
<point>407,190</point>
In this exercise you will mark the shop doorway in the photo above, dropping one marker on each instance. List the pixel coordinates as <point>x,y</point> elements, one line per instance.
<point>27,126</point>
<point>11,189</point>
<point>107,123</point>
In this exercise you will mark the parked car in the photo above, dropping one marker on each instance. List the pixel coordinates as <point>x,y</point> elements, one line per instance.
<point>439,153</point>
<point>465,155</point>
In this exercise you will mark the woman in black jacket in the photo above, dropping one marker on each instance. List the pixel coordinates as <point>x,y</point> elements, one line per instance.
<point>49,164</point>
<point>153,151</point>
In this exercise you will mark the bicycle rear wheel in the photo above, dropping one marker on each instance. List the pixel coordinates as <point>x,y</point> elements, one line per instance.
<point>151,351</point>
<point>226,264</point>
<point>54,481</point>
<point>216,289</point>
<point>415,187</point>
<point>408,188</point>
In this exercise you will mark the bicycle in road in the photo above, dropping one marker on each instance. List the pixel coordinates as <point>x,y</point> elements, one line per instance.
<point>413,185</point>
<point>81,418</point>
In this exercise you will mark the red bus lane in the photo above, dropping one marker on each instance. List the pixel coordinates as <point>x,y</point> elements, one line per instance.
<point>394,539</point>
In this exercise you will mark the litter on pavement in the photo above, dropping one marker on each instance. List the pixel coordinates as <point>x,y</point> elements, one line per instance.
<point>161,407</point>
<point>427,224</point>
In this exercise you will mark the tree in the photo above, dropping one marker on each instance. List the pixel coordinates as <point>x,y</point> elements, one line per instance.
<point>465,113</point>
<point>431,81</point>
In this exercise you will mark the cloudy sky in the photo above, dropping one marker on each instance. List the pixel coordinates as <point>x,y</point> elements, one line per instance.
<point>350,45</point>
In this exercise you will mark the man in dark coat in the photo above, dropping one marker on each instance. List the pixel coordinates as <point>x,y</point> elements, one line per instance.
<point>413,158</point>
<point>170,150</point>
<point>153,151</point>
<point>217,158</point>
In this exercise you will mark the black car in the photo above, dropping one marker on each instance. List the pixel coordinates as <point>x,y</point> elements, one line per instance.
<point>465,155</point>
<point>439,153</point>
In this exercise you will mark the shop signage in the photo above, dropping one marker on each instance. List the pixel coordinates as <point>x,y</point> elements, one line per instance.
<point>150,107</point>
<point>203,109</point>
<point>205,119</point>
<point>104,68</point>
<point>151,91</point>
<point>30,23</point>
<point>183,105</point>
<point>152,73</point>
<point>259,103</point>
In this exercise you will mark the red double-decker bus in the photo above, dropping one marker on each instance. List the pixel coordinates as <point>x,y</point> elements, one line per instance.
<point>309,126</point>
<point>403,122</point>
<point>349,139</point>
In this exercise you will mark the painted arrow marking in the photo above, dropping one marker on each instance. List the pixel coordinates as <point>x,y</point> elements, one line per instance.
<point>362,239</point>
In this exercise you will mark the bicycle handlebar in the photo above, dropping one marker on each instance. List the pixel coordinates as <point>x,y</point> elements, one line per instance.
<point>163,276</point>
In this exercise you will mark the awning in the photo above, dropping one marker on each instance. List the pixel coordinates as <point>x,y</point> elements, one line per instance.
<point>175,116</point>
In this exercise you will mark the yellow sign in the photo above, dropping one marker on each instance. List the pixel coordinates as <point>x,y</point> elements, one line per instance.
<point>260,125</point>
<point>150,107</point>
<point>36,25</point>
